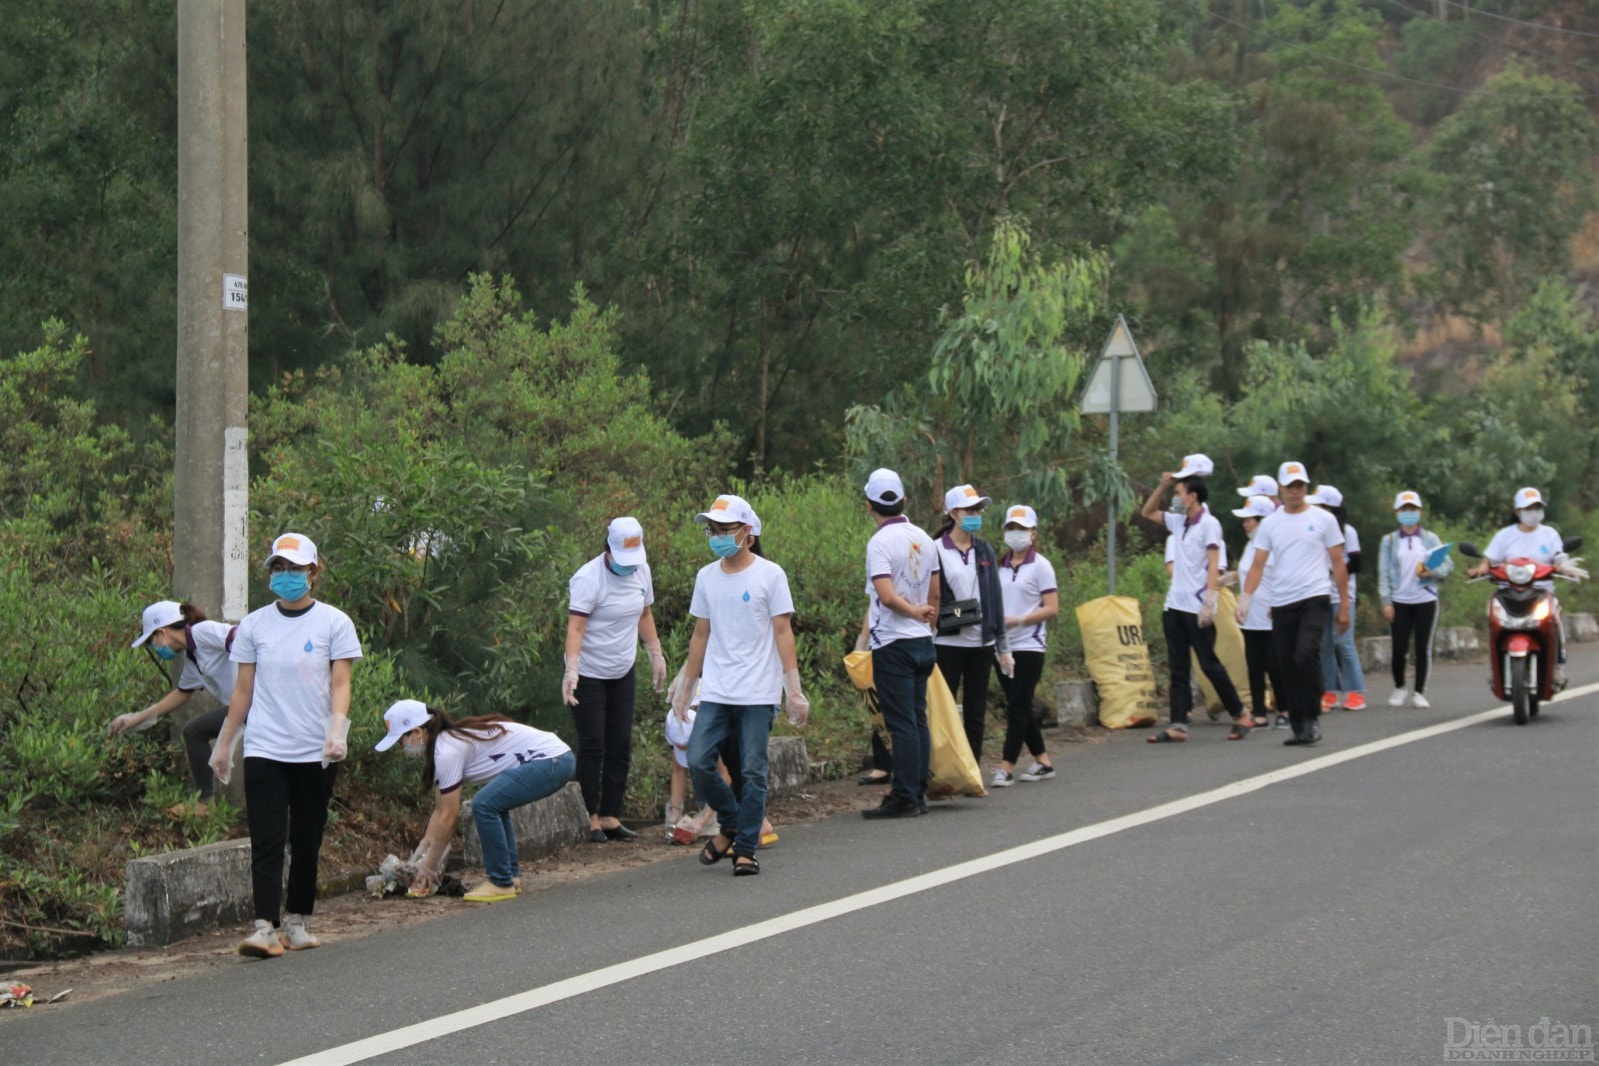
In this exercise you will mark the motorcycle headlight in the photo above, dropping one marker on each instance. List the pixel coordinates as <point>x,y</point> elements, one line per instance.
<point>1541,611</point>
<point>1519,573</point>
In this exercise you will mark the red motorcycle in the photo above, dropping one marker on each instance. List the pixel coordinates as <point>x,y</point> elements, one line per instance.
<point>1523,636</point>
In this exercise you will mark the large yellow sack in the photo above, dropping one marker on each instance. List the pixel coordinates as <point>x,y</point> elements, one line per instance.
<point>952,769</point>
<point>1118,661</point>
<point>1229,649</point>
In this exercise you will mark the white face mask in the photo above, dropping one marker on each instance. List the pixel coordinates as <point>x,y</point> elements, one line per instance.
<point>1018,540</point>
<point>415,751</point>
<point>1532,516</point>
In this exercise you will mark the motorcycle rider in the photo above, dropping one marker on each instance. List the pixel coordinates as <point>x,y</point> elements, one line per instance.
<point>1529,538</point>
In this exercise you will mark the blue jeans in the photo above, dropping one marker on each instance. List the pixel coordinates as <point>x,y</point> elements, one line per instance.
<point>1340,663</point>
<point>494,802</point>
<point>900,670</point>
<point>747,811</point>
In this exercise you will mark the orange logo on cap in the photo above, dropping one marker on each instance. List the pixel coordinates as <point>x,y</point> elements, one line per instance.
<point>971,493</point>
<point>1295,468</point>
<point>631,542</point>
<point>288,544</point>
<point>721,504</point>
<point>1018,512</point>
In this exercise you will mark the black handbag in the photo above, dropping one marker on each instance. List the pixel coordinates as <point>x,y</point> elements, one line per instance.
<point>956,615</point>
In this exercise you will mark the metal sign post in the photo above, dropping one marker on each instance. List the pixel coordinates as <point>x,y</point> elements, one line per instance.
<point>1112,390</point>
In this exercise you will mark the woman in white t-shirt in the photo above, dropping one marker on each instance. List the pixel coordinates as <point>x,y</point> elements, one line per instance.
<point>292,700</point>
<point>1342,674</point>
<point>516,765</point>
<point>1259,656</point>
<point>1032,598</point>
<point>1409,591</point>
<point>742,654</point>
<point>173,630</point>
<point>608,615</point>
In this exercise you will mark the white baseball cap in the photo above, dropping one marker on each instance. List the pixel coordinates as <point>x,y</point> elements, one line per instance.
<point>1259,485</point>
<point>297,548</point>
<point>727,510</point>
<point>1195,465</point>
<point>158,616</point>
<point>885,487</point>
<point>1326,496</point>
<point>625,537</point>
<point>1527,497</point>
<point>1291,472</point>
<point>1407,498</point>
<point>964,496</point>
<point>1022,515</point>
<point>402,717</point>
<point>1256,507</point>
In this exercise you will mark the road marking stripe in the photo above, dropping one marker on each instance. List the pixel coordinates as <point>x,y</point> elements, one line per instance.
<point>532,999</point>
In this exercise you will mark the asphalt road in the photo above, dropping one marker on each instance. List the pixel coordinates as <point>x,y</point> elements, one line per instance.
<point>1344,915</point>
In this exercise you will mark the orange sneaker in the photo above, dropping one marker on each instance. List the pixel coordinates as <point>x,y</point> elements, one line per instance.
<point>1355,701</point>
<point>1329,700</point>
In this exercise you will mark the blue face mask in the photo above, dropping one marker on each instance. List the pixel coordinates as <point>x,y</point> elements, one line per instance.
<point>164,653</point>
<point>725,545</point>
<point>618,569</point>
<point>290,585</point>
<point>971,523</point>
<point>1409,518</point>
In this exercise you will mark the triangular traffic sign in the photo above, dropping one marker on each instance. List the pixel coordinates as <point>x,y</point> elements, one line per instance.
<point>1134,394</point>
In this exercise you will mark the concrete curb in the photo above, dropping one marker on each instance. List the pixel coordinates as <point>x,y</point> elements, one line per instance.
<point>542,827</point>
<point>1453,642</point>
<point>1076,703</point>
<point>1582,628</point>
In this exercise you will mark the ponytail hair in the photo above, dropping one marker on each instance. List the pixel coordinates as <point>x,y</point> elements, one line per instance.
<point>944,527</point>
<point>191,614</point>
<point>477,727</point>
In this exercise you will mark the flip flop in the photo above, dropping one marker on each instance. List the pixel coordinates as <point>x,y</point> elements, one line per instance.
<point>871,779</point>
<point>1240,730</point>
<point>1165,737</point>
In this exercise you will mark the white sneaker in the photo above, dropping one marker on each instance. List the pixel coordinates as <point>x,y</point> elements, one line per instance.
<point>1039,772</point>
<point>1418,700</point>
<point>1399,697</point>
<point>263,943</point>
<point>1001,780</point>
<point>295,936</point>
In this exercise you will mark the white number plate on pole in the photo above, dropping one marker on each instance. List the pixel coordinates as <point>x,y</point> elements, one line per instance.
<point>235,292</point>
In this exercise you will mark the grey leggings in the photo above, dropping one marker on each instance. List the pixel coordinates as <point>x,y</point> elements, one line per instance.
<point>198,736</point>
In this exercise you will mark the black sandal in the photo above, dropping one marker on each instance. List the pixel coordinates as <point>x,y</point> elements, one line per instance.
<point>710,855</point>
<point>1241,728</point>
<point>746,866</point>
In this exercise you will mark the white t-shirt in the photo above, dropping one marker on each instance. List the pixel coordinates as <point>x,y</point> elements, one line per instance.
<point>206,664</point>
<point>959,570</point>
<point>1408,551</point>
<point>1024,585</point>
<point>1259,616</point>
<point>906,555</point>
<point>293,695</point>
<point>742,666</point>
<point>1298,545</point>
<point>1351,546</point>
<point>1541,546</point>
<point>613,606</point>
<point>1191,543</point>
<point>474,761</point>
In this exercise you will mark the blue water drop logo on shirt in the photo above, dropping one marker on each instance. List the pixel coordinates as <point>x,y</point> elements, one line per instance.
<point>746,597</point>
<point>309,647</point>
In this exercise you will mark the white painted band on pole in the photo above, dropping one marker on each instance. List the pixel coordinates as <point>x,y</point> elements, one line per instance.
<point>235,523</point>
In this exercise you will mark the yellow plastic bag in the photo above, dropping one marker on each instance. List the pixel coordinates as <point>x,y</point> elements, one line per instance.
<point>952,769</point>
<point>1229,649</point>
<point>1118,661</point>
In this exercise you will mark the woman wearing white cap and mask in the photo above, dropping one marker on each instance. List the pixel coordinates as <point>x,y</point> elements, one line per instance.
<point>1032,599</point>
<point>516,765</point>
<point>968,642</point>
<point>608,615</point>
<point>292,700</point>
<point>1409,592</point>
<point>1529,538</point>
<point>180,630</point>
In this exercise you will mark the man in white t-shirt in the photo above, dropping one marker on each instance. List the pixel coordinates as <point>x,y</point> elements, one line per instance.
<point>902,592</point>
<point>1300,541</point>
<point>1190,614</point>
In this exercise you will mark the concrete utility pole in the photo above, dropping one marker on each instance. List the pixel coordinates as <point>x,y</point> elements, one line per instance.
<point>211,477</point>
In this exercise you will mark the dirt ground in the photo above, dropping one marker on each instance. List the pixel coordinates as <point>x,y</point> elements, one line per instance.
<point>354,915</point>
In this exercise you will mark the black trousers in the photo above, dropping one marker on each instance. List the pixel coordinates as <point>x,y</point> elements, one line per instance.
<point>1021,725</point>
<point>198,734</point>
<point>1261,657</point>
<point>1418,621</point>
<point>966,673</point>
<point>603,719</point>
<point>1297,630</point>
<point>287,802</point>
<point>1184,635</point>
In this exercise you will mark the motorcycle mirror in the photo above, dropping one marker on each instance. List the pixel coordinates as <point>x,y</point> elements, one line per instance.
<point>1469,550</point>
<point>1570,544</point>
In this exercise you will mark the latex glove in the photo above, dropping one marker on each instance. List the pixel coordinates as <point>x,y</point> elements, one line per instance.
<point>1207,611</point>
<point>657,665</point>
<point>799,708</point>
<point>425,883</point>
<point>222,755</point>
<point>863,643</point>
<point>1228,579</point>
<point>1007,664</point>
<point>1388,612</point>
<point>1343,619</point>
<point>680,695</point>
<point>121,724</point>
<point>336,746</point>
<point>1244,602</point>
<point>1570,569</point>
<point>569,685</point>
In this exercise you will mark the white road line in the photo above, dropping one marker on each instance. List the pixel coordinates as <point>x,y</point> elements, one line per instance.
<point>432,1029</point>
